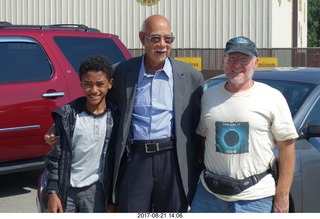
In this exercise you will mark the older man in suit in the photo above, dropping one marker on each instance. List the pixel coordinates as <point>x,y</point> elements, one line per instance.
<point>159,102</point>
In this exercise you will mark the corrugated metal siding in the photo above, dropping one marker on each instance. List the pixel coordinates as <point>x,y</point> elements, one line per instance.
<point>281,22</point>
<point>196,23</point>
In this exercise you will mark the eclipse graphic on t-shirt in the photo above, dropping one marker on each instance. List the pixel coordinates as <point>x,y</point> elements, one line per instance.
<point>232,137</point>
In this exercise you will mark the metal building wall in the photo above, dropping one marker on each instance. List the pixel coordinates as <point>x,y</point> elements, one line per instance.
<point>281,31</point>
<point>302,24</point>
<point>196,23</point>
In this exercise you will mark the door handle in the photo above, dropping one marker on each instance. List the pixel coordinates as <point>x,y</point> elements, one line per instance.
<point>53,95</point>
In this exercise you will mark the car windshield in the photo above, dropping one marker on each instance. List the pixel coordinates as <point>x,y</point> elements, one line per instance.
<point>294,92</point>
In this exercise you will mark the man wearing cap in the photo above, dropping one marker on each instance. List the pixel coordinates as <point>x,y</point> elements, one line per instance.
<point>240,125</point>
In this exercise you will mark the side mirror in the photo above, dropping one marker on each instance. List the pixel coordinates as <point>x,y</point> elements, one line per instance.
<point>312,129</point>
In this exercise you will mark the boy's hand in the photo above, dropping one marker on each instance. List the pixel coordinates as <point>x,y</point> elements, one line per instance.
<point>54,204</point>
<point>50,138</point>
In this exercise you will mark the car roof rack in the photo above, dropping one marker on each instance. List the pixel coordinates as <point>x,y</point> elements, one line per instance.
<point>5,23</point>
<point>80,27</point>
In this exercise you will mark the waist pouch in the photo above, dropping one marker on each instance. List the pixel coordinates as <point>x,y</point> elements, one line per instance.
<point>225,185</point>
<point>275,169</point>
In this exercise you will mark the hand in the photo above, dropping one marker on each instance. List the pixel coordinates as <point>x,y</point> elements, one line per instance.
<point>281,203</point>
<point>112,208</point>
<point>54,204</point>
<point>50,138</point>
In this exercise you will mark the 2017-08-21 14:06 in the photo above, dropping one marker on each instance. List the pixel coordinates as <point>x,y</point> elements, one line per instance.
<point>160,215</point>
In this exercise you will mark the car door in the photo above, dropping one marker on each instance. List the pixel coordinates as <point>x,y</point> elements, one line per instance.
<point>31,86</point>
<point>305,187</point>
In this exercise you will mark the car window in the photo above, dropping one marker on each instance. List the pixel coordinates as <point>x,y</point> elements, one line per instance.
<point>23,62</point>
<point>294,92</point>
<point>314,114</point>
<point>78,48</point>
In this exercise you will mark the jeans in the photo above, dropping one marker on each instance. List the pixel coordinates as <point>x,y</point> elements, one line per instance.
<point>205,202</point>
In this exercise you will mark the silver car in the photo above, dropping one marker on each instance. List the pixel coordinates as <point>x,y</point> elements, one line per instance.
<point>301,88</point>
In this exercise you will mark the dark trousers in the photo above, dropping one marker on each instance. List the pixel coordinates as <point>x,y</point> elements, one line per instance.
<point>88,199</point>
<point>151,183</point>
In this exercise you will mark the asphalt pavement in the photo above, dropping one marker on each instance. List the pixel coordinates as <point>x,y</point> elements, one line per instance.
<point>18,192</point>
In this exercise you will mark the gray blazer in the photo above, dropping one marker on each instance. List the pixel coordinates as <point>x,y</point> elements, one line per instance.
<point>187,83</point>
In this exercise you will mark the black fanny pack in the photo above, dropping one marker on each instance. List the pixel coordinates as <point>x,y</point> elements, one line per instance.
<point>225,185</point>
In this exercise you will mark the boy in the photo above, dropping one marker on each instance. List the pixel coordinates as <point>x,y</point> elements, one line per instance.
<point>80,164</point>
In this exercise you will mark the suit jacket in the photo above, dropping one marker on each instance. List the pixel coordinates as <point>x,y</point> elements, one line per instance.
<point>187,84</point>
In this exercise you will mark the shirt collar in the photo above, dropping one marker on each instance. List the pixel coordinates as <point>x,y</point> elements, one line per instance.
<point>167,69</point>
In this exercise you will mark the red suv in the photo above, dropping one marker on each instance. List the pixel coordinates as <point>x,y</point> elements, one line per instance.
<point>39,72</point>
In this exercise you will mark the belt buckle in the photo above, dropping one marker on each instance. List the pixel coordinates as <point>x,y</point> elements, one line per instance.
<point>147,147</point>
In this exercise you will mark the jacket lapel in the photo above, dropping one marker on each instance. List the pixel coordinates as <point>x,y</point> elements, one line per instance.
<point>179,91</point>
<point>132,80</point>
<point>131,83</point>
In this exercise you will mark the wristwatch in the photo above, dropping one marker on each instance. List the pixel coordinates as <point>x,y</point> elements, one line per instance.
<point>52,191</point>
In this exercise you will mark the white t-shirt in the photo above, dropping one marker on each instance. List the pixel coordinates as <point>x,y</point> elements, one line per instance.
<point>87,145</point>
<point>240,129</point>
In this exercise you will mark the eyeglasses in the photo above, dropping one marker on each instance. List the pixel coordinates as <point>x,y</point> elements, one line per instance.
<point>244,60</point>
<point>157,38</point>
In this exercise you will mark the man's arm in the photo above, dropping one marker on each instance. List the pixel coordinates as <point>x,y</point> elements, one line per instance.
<point>286,169</point>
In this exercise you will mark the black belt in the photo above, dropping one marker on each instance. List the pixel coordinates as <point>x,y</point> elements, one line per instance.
<point>152,146</point>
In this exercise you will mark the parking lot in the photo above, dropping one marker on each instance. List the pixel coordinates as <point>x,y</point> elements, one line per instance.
<point>18,192</point>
